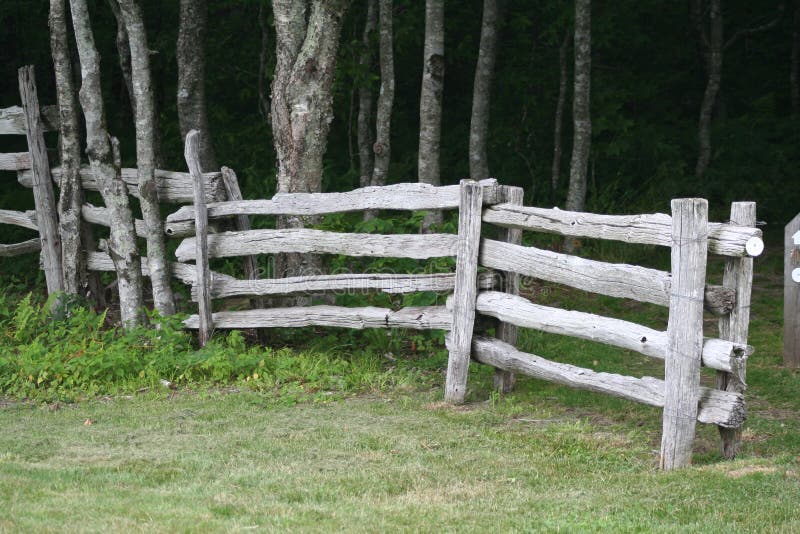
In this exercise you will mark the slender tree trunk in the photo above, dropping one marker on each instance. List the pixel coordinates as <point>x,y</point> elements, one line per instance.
<point>559,120</point>
<point>794,77</point>
<point>581,118</point>
<point>430,105</point>
<point>145,156</point>
<point>106,169</point>
<point>75,277</point>
<point>263,97</point>
<point>124,52</point>
<point>366,99</point>
<point>482,91</point>
<point>713,62</point>
<point>302,103</point>
<point>190,54</point>
<point>383,118</point>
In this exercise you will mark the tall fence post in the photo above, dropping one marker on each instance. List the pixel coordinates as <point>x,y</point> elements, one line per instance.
<point>791,294</point>
<point>504,380</point>
<point>203,283</point>
<point>684,330</point>
<point>734,326</point>
<point>465,291</point>
<point>43,196</point>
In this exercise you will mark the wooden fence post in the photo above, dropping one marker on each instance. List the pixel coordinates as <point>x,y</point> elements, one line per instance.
<point>203,284</point>
<point>734,326</point>
<point>684,330</point>
<point>504,380</point>
<point>43,196</point>
<point>791,294</point>
<point>465,291</point>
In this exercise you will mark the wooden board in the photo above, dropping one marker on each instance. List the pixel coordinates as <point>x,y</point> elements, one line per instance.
<point>791,296</point>
<point>12,120</point>
<point>15,161</point>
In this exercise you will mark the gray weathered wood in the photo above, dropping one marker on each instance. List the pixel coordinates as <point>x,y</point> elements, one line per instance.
<point>419,318</point>
<point>173,187</point>
<point>513,196</point>
<point>12,120</point>
<point>612,279</point>
<point>185,272</point>
<point>715,407</point>
<point>738,276</point>
<point>407,196</point>
<point>684,331</point>
<point>304,240</point>
<point>342,283</point>
<point>465,290</point>
<point>26,219</point>
<point>791,296</point>
<point>203,285</point>
<point>647,229</point>
<point>717,354</point>
<point>100,216</point>
<point>233,191</point>
<point>43,195</point>
<point>15,161</point>
<point>16,249</point>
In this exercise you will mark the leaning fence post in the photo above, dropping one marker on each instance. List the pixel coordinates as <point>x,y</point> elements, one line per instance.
<point>203,283</point>
<point>684,330</point>
<point>43,196</point>
<point>504,380</point>
<point>465,291</point>
<point>734,326</point>
<point>791,294</point>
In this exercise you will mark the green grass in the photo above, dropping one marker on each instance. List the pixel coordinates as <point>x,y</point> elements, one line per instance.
<point>347,433</point>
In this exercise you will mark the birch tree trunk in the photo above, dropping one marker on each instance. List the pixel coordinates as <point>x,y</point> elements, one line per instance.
<point>581,118</point>
<point>366,99</point>
<point>190,53</point>
<point>106,169</point>
<point>559,119</point>
<point>145,156</point>
<point>482,91</point>
<point>383,117</point>
<point>302,103</point>
<point>75,277</point>
<point>430,105</point>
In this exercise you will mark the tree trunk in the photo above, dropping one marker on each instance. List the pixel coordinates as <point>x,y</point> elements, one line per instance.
<point>75,277</point>
<point>713,64</point>
<point>581,118</point>
<point>793,74</point>
<point>263,97</point>
<point>106,169</point>
<point>383,118</point>
<point>190,55</point>
<point>145,156</point>
<point>124,52</point>
<point>366,99</point>
<point>430,105</point>
<point>302,104</point>
<point>481,93</point>
<point>559,120</point>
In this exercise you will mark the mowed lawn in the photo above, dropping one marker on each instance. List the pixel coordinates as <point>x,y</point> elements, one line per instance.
<point>231,462</point>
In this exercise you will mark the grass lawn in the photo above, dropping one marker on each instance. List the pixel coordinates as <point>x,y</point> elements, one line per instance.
<point>394,458</point>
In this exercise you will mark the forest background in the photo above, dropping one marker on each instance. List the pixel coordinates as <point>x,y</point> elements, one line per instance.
<point>648,79</point>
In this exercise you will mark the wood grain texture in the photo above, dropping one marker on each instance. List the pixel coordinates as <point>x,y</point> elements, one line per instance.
<point>173,187</point>
<point>15,161</point>
<point>791,297</point>
<point>12,120</point>
<point>100,216</point>
<point>304,240</point>
<point>185,272</point>
<point>684,331</point>
<point>738,276</point>
<point>717,353</point>
<point>418,318</point>
<point>26,219</point>
<point>16,249</point>
<point>342,283</point>
<point>647,229</point>
<point>465,291</point>
<point>405,196</point>
<point>612,279</point>
<point>713,406</point>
